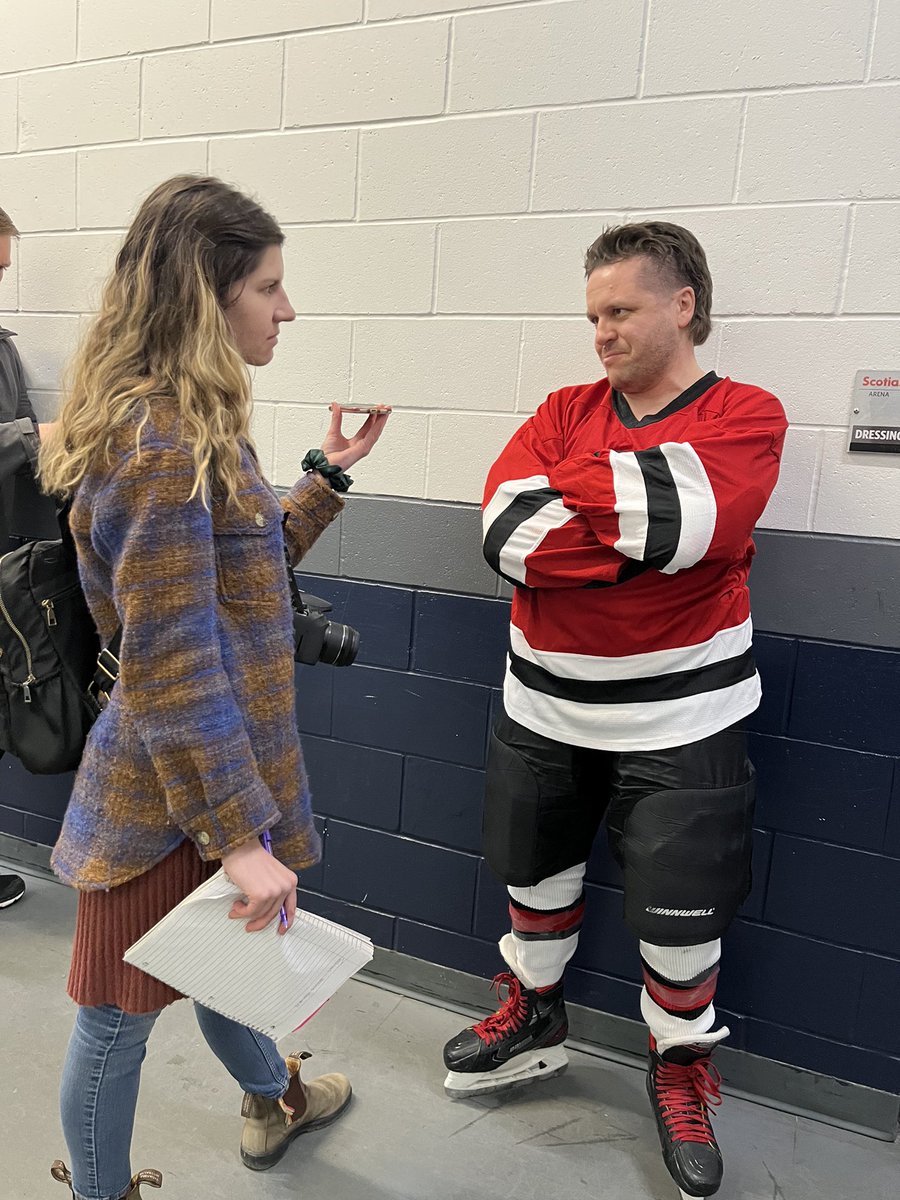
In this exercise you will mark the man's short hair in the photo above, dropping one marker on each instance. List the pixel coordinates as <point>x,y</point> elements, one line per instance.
<point>677,255</point>
<point>7,229</point>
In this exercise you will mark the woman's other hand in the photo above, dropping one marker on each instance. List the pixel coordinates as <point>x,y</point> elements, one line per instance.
<point>344,452</point>
<point>267,884</point>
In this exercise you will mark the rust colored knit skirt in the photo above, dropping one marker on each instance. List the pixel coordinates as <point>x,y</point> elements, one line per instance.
<point>107,923</point>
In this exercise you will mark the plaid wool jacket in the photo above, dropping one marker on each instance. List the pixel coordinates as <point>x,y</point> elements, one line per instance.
<point>199,739</point>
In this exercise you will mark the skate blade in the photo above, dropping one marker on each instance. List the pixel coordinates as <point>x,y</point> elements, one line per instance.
<point>539,1064</point>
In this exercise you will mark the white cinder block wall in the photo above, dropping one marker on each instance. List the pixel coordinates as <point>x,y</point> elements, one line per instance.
<point>440,166</point>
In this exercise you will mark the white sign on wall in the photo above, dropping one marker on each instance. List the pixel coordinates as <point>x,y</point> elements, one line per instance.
<point>875,412</point>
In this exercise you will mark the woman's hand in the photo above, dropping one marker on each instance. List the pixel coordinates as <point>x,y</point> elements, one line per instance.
<point>267,885</point>
<point>344,452</point>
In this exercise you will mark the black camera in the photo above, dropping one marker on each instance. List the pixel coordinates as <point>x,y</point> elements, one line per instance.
<point>316,639</point>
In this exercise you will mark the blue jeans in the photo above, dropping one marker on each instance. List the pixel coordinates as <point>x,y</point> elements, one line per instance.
<point>102,1074</point>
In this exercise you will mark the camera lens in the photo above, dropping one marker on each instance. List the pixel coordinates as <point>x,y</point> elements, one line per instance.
<point>340,644</point>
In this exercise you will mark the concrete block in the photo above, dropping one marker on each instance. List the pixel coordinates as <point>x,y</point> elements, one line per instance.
<point>64,272</point>
<point>9,115</point>
<point>462,448</point>
<point>108,27</point>
<point>366,74</point>
<point>380,10</point>
<point>45,404</point>
<point>311,364</point>
<point>790,504</point>
<point>45,344</point>
<point>824,145</point>
<point>446,168</point>
<point>886,58</point>
<point>39,191</point>
<point>809,365</point>
<point>113,181</point>
<point>237,19</point>
<point>436,363</point>
<point>221,89</point>
<point>296,176</point>
<point>769,260</point>
<point>554,355</point>
<point>516,265</point>
<point>396,466</point>
<point>361,268</point>
<point>707,47</point>
<point>857,492</point>
<point>874,253</point>
<point>537,55</point>
<point>39,35</point>
<point>262,429</point>
<point>101,105</point>
<point>677,152</point>
<point>298,428</point>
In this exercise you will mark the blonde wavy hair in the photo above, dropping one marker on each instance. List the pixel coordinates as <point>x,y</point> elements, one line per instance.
<point>161,334</point>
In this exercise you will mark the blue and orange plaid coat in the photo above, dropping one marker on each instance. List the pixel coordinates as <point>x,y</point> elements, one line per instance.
<point>200,738</point>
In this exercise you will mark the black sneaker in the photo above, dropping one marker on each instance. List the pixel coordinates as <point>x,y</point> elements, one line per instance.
<point>12,888</point>
<point>520,1042</point>
<point>682,1083</point>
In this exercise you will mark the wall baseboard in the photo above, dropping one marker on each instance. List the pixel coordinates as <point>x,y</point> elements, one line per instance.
<point>774,1084</point>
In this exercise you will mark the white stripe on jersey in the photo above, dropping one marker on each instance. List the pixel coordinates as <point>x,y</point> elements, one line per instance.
<point>698,505</point>
<point>651,725</point>
<point>631,504</point>
<point>727,643</point>
<point>528,534</point>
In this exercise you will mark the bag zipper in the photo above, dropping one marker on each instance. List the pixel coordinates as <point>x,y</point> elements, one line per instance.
<point>26,684</point>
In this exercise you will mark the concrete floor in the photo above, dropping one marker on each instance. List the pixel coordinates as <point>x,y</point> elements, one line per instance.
<point>583,1136</point>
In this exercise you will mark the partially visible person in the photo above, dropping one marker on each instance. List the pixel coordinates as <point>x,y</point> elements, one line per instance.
<point>181,542</point>
<point>24,512</point>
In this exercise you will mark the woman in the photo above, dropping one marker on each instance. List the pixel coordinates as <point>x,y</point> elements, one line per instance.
<point>180,542</point>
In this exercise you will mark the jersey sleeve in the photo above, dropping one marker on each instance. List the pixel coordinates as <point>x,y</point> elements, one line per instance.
<point>532,538</point>
<point>672,505</point>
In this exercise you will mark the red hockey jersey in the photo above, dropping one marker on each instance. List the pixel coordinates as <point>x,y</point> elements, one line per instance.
<point>629,545</point>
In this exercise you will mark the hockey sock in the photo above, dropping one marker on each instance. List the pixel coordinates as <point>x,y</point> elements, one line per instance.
<point>546,919</point>
<point>679,986</point>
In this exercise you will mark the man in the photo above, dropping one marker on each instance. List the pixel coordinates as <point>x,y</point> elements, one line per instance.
<point>622,513</point>
<point>24,512</point>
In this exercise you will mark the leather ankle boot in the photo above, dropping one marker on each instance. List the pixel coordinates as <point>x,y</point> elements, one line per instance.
<point>271,1125</point>
<point>152,1178</point>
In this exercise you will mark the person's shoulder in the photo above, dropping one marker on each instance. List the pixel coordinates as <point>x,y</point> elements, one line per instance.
<point>577,398</point>
<point>733,389</point>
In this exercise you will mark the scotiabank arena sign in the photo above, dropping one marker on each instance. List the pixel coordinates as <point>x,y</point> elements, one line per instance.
<point>875,415</point>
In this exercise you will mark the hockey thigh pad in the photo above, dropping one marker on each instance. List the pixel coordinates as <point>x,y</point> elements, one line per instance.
<point>686,857</point>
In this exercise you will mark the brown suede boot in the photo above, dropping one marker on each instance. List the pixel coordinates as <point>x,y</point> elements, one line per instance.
<point>270,1125</point>
<point>60,1171</point>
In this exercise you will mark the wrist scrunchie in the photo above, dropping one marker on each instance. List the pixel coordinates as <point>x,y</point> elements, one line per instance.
<point>316,461</point>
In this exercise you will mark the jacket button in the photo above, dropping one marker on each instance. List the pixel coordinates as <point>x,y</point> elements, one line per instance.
<point>203,837</point>
<point>260,520</point>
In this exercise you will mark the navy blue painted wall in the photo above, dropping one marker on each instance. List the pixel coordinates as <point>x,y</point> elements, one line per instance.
<point>395,748</point>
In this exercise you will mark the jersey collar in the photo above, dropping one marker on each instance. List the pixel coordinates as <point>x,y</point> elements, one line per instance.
<point>623,411</point>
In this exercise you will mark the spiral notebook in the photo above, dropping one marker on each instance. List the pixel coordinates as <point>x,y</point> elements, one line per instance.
<point>273,984</point>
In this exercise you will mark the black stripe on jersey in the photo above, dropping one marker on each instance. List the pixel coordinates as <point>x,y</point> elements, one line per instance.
<point>525,505</point>
<point>663,508</point>
<point>674,686</point>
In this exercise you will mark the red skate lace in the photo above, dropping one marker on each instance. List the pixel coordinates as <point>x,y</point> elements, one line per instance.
<point>683,1093</point>
<point>509,1016</point>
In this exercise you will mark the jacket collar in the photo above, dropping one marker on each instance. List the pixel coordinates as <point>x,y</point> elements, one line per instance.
<point>5,333</point>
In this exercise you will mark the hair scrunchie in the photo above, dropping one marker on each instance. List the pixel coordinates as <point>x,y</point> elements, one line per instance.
<point>316,461</point>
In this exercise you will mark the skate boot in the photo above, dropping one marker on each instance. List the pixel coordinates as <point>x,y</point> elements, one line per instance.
<point>521,1042</point>
<point>682,1084</point>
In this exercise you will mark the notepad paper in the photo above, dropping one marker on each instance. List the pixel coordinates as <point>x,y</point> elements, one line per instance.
<point>271,983</point>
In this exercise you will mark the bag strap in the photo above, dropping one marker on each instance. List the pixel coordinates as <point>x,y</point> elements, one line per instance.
<point>107,673</point>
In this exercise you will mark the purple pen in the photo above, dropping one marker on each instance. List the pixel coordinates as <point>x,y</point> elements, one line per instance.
<point>267,843</point>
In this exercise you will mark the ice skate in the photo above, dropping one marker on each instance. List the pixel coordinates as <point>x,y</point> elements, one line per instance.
<point>682,1085</point>
<point>519,1043</point>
